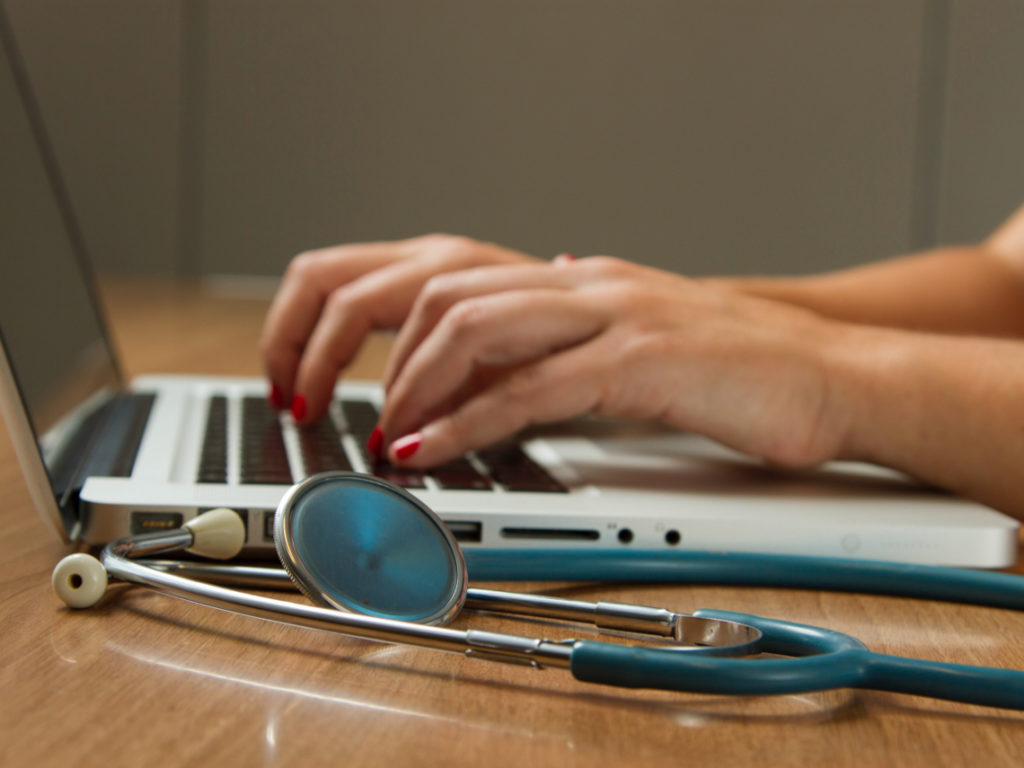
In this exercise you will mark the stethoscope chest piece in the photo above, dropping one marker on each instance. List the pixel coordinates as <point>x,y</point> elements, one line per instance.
<point>360,544</point>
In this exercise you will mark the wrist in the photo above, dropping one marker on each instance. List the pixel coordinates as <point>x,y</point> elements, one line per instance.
<point>871,392</point>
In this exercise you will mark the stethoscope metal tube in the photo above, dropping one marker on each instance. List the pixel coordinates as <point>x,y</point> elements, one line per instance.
<point>731,638</point>
<point>472,642</point>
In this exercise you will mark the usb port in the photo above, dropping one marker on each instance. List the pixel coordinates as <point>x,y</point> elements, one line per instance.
<point>465,531</point>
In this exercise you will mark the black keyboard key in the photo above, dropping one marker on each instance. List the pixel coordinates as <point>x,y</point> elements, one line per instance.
<point>213,459</point>
<point>400,476</point>
<point>321,448</point>
<point>514,470</point>
<point>459,475</point>
<point>264,456</point>
<point>361,416</point>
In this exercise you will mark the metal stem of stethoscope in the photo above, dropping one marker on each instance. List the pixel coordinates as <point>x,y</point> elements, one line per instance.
<point>469,642</point>
<point>186,580</point>
<point>606,615</point>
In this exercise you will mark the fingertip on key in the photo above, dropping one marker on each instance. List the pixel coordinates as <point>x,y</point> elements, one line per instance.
<point>405,447</point>
<point>275,398</point>
<point>375,442</point>
<point>299,407</point>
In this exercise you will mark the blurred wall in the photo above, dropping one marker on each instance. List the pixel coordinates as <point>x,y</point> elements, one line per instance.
<point>224,136</point>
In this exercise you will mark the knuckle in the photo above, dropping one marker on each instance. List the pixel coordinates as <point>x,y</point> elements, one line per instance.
<point>453,251</point>
<point>623,300</point>
<point>348,301</point>
<point>338,302</point>
<point>522,387</point>
<point>304,267</point>
<point>609,266</point>
<point>459,426</point>
<point>276,357</point>
<point>438,294</point>
<point>465,318</point>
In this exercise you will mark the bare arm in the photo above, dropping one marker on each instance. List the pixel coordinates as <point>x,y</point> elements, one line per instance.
<point>947,409</point>
<point>967,290</point>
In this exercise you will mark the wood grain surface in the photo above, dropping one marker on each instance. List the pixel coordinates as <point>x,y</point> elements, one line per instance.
<point>145,679</point>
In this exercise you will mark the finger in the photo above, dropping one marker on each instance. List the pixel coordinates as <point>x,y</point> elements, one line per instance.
<point>307,283</point>
<point>562,386</point>
<point>444,291</point>
<point>506,329</point>
<point>380,299</point>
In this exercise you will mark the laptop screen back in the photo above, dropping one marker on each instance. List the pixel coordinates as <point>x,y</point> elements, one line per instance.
<point>51,330</point>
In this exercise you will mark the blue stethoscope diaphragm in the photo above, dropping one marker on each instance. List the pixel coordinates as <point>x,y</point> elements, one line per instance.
<point>360,544</point>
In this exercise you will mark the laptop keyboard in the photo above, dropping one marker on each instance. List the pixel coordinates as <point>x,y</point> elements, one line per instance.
<point>321,447</point>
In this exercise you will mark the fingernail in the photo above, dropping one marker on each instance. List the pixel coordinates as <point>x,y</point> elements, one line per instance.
<point>375,442</point>
<point>564,258</point>
<point>408,445</point>
<point>276,397</point>
<point>299,407</point>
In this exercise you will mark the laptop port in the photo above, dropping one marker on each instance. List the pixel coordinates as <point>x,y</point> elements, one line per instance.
<point>268,525</point>
<point>673,537</point>
<point>152,522</point>
<point>464,531</point>
<point>551,534</point>
<point>626,535</point>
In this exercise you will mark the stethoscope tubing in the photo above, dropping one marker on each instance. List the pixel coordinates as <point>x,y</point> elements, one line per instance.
<point>841,661</point>
<point>929,582</point>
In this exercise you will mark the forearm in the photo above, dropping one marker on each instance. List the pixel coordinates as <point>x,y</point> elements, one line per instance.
<point>947,410</point>
<point>969,290</point>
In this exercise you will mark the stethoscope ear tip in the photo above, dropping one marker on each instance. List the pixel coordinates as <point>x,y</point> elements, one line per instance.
<point>218,534</point>
<point>79,580</point>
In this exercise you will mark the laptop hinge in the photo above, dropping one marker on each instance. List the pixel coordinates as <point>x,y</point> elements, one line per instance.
<point>104,445</point>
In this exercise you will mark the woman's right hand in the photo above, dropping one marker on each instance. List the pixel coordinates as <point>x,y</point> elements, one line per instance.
<point>330,299</point>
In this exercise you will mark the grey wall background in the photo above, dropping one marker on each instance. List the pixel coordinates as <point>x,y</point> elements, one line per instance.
<point>224,136</point>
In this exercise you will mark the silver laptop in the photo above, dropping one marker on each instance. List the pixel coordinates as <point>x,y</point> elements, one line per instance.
<point>103,459</point>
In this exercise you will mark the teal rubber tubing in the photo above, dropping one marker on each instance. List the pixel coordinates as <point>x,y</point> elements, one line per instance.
<point>1001,590</point>
<point>841,662</point>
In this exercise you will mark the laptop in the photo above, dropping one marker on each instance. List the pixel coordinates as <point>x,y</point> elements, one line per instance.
<point>104,458</point>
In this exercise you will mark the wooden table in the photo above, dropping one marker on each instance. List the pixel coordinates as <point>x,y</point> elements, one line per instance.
<point>145,679</point>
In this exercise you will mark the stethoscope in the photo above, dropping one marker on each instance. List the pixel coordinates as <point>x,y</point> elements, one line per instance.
<point>378,564</point>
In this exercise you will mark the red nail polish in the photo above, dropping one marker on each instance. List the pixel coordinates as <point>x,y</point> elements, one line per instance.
<point>299,407</point>
<point>408,445</point>
<point>375,442</point>
<point>564,258</point>
<point>276,397</point>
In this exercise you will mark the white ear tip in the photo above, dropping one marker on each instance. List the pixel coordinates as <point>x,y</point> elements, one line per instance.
<point>219,533</point>
<point>79,580</point>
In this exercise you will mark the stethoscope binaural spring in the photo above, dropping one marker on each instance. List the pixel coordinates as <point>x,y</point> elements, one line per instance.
<point>380,565</point>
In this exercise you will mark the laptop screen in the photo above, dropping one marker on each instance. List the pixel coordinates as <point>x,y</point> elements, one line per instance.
<point>52,333</point>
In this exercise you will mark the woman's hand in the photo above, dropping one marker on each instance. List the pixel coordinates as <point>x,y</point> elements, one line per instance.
<point>489,351</point>
<point>330,299</point>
